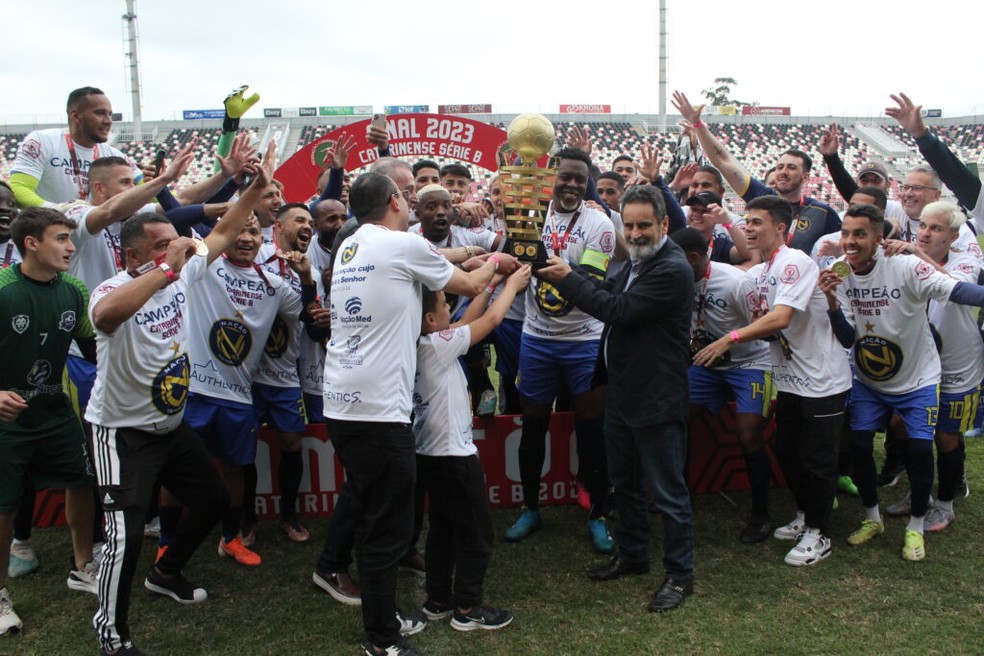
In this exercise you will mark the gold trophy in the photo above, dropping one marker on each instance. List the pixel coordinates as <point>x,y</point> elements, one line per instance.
<point>527,188</point>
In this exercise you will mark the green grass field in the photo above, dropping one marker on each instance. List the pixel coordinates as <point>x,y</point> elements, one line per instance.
<point>863,600</point>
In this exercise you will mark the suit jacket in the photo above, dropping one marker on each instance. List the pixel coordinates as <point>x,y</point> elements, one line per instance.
<point>646,336</point>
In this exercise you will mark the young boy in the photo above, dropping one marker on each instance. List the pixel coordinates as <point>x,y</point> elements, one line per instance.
<point>459,544</point>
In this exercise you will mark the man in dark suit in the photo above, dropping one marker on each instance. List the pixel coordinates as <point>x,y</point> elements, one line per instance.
<point>643,359</point>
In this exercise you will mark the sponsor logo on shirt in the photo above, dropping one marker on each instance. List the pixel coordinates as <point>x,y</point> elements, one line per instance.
<point>38,373</point>
<point>20,323</point>
<point>169,390</point>
<point>353,307</point>
<point>67,321</point>
<point>230,341</point>
<point>550,302</point>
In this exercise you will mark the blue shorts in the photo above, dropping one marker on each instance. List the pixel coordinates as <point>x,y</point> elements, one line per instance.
<point>227,428</point>
<point>752,389</point>
<point>506,338</point>
<point>543,363</point>
<point>871,410</point>
<point>81,377</point>
<point>279,407</point>
<point>314,408</point>
<point>958,411</point>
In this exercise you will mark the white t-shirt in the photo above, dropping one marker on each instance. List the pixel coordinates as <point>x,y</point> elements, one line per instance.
<point>894,350</point>
<point>962,357</point>
<point>311,366</point>
<point>825,261</point>
<point>807,360</point>
<point>725,302</point>
<point>44,155</point>
<point>458,237</point>
<point>232,312</point>
<point>548,314</point>
<point>441,410</point>
<point>376,309</point>
<point>9,255</point>
<point>143,367</point>
<point>319,256</point>
<point>278,363</point>
<point>267,233</point>
<point>965,243</point>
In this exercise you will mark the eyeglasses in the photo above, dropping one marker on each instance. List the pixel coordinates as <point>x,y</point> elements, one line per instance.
<point>909,187</point>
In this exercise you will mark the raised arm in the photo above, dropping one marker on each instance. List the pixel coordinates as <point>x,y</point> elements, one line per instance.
<point>715,151</point>
<point>829,147</point>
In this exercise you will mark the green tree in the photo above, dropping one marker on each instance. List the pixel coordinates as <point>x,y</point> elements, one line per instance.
<point>720,93</point>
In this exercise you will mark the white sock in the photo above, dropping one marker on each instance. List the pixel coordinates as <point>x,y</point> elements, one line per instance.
<point>873,514</point>
<point>18,543</point>
<point>915,524</point>
<point>945,505</point>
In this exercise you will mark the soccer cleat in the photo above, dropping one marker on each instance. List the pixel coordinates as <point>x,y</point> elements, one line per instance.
<point>160,553</point>
<point>402,648</point>
<point>435,611</point>
<point>485,618</point>
<point>486,404</point>
<point>810,549</point>
<point>23,560</point>
<point>846,485</point>
<point>914,548</point>
<point>529,522</point>
<point>9,622</point>
<point>248,535</point>
<point>869,530</point>
<point>903,506</point>
<point>176,587</point>
<point>152,529</point>
<point>126,649</point>
<point>84,579</point>
<point>410,623</point>
<point>340,586</point>
<point>237,550</point>
<point>602,541</point>
<point>938,519</point>
<point>790,531</point>
<point>294,530</point>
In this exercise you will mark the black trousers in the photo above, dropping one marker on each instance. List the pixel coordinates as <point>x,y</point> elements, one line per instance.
<point>459,544</point>
<point>380,463</point>
<point>128,463</point>
<point>808,433</point>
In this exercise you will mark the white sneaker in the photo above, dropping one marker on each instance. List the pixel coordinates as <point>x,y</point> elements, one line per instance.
<point>811,548</point>
<point>790,531</point>
<point>84,580</point>
<point>8,618</point>
<point>937,519</point>
<point>903,506</point>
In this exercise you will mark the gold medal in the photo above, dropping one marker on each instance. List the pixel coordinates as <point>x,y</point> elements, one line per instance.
<point>842,269</point>
<point>201,248</point>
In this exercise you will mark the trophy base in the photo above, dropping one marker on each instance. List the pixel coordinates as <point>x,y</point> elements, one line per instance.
<point>529,252</point>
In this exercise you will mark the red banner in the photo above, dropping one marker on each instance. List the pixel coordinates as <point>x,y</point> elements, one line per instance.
<point>420,136</point>
<point>716,463</point>
<point>464,109</point>
<point>585,109</point>
<point>748,110</point>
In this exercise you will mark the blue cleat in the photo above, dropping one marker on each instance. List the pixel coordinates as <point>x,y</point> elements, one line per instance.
<point>527,523</point>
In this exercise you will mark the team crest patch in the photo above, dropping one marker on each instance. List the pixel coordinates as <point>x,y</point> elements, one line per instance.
<point>348,253</point>
<point>276,344</point>
<point>67,321</point>
<point>446,334</point>
<point>878,358</point>
<point>924,270</point>
<point>608,242</point>
<point>39,373</point>
<point>169,391</point>
<point>790,274</point>
<point>32,148</point>
<point>20,323</point>
<point>230,341</point>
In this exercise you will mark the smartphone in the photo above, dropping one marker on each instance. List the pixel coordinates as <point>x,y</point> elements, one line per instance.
<point>379,121</point>
<point>159,162</point>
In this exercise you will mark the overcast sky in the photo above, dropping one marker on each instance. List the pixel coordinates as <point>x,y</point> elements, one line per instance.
<point>840,57</point>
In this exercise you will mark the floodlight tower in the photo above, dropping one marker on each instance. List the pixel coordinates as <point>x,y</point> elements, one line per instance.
<point>133,64</point>
<point>662,65</point>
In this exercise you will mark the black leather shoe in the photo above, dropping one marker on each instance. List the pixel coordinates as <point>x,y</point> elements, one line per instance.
<point>671,594</point>
<point>617,567</point>
<point>758,529</point>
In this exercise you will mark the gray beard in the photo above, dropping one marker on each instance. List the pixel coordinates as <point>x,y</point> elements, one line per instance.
<point>640,253</point>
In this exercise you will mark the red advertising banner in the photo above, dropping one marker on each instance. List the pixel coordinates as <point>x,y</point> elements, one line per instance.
<point>716,463</point>
<point>585,109</point>
<point>464,109</point>
<point>411,135</point>
<point>748,110</point>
